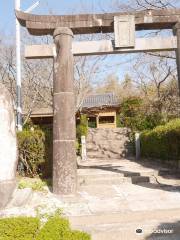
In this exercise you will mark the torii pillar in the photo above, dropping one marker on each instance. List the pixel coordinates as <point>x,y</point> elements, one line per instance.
<point>64,131</point>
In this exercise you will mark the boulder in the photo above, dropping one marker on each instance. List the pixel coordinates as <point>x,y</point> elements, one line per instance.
<point>8,147</point>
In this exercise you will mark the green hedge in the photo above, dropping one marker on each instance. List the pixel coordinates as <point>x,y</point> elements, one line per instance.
<point>31,146</point>
<point>21,228</point>
<point>58,229</point>
<point>82,127</point>
<point>163,142</point>
<point>26,228</point>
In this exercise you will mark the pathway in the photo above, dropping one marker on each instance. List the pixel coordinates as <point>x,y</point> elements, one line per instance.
<point>115,198</point>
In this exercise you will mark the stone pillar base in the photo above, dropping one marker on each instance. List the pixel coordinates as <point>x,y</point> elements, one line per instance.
<point>6,191</point>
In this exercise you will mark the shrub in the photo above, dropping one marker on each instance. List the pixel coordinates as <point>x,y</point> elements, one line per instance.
<point>58,228</point>
<point>133,115</point>
<point>82,128</point>
<point>31,146</point>
<point>26,228</point>
<point>77,235</point>
<point>162,142</point>
<point>22,228</point>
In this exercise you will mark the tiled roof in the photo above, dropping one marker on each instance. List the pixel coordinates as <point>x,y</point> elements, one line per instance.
<point>91,101</point>
<point>100,100</point>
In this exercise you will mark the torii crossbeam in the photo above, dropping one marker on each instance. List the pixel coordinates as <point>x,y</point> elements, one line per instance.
<point>97,23</point>
<point>62,28</point>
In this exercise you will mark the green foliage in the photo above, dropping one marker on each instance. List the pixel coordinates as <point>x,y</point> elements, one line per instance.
<point>34,184</point>
<point>77,235</point>
<point>162,142</point>
<point>78,146</point>
<point>31,146</point>
<point>133,116</point>
<point>58,228</point>
<point>21,228</point>
<point>82,128</point>
<point>26,228</point>
<point>92,124</point>
<point>47,166</point>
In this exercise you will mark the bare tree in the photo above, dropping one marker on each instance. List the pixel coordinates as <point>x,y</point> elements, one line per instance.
<point>156,78</point>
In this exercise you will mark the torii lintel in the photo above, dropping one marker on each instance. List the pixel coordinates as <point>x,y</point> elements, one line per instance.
<point>97,23</point>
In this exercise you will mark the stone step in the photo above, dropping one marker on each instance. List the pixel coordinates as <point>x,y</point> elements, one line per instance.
<point>110,137</point>
<point>113,171</point>
<point>108,148</point>
<point>92,147</point>
<point>106,141</point>
<point>124,225</point>
<point>102,152</point>
<point>112,180</point>
<point>107,174</point>
<point>107,156</point>
<point>109,151</point>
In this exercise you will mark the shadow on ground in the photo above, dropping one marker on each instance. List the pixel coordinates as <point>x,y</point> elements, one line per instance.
<point>164,171</point>
<point>166,231</point>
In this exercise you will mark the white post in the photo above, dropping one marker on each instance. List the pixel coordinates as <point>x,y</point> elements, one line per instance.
<point>137,144</point>
<point>83,148</point>
<point>18,63</point>
<point>18,69</point>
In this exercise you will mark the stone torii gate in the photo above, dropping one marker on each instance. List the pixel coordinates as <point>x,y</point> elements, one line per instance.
<point>62,28</point>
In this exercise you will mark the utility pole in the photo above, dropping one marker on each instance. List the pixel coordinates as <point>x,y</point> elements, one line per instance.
<point>18,63</point>
<point>18,69</point>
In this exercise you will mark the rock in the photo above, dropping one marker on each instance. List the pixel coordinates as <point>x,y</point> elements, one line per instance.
<point>113,143</point>
<point>21,197</point>
<point>8,150</point>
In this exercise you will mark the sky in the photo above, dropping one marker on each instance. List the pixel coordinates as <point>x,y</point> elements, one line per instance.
<point>7,18</point>
<point>7,24</point>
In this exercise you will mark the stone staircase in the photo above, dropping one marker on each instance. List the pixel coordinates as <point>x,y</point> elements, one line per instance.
<point>115,200</point>
<point>118,198</point>
<point>106,176</point>
<point>109,143</point>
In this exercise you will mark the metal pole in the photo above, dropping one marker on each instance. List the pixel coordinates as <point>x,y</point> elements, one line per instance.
<point>18,69</point>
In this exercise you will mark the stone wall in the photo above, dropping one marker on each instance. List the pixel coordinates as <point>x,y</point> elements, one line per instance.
<point>109,143</point>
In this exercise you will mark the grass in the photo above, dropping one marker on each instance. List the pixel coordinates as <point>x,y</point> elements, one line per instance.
<point>36,184</point>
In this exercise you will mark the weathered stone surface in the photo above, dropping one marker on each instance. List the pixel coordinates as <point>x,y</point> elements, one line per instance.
<point>85,48</point>
<point>64,154</point>
<point>8,150</point>
<point>64,103</point>
<point>21,197</point>
<point>64,168</point>
<point>124,30</point>
<point>6,191</point>
<point>97,23</point>
<point>108,143</point>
